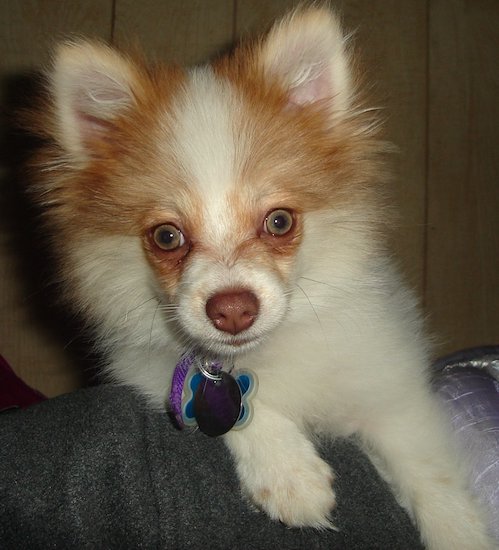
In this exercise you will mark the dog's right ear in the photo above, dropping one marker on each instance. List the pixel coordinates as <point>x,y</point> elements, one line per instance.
<point>91,85</point>
<point>307,54</point>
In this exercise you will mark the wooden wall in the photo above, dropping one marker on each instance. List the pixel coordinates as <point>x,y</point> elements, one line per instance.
<point>434,65</point>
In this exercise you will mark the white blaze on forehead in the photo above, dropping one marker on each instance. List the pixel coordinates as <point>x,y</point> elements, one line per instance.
<point>204,142</point>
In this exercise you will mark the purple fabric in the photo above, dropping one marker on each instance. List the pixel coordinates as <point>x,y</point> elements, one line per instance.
<point>178,379</point>
<point>14,392</point>
<point>472,397</point>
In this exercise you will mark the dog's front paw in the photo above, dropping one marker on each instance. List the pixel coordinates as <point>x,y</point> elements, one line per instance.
<point>281,472</point>
<point>296,491</point>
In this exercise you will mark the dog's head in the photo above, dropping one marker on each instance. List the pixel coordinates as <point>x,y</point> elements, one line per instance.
<point>202,195</point>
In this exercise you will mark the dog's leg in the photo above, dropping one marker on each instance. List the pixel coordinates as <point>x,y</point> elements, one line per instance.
<point>281,471</point>
<point>412,450</point>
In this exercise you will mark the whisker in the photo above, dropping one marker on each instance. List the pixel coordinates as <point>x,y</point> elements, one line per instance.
<point>314,310</point>
<point>151,330</point>
<point>139,306</point>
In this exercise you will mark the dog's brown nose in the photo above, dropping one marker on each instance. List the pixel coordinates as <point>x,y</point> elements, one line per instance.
<point>233,310</point>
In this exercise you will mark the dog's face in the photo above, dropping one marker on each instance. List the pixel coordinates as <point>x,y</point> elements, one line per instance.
<point>222,182</point>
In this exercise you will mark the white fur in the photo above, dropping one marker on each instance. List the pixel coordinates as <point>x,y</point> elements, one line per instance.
<point>338,346</point>
<point>204,140</point>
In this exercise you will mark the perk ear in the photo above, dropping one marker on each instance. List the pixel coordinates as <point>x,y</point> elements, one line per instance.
<point>91,85</point>
<point>306,53</point>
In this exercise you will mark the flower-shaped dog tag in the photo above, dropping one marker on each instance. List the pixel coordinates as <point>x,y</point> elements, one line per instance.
<point>202,394</point>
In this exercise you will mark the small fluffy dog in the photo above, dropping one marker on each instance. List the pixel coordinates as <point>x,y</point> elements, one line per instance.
<point>235,211</point>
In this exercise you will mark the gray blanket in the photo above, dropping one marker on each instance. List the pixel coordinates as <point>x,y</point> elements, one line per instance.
<point>96,469</point>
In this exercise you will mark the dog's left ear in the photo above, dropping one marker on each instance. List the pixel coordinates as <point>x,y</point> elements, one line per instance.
<point>306,52</point>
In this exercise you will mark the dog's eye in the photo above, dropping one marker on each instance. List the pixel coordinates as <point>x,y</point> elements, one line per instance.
<point>168,237</point>
<point>278,222</point>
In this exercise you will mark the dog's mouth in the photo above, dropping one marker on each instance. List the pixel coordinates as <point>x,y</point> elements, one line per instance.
<point>235,345</point>
<point>225,346</point>
<point>238,342</point>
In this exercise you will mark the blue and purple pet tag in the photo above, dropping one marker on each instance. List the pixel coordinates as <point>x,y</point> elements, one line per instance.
<point>204,395</point>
